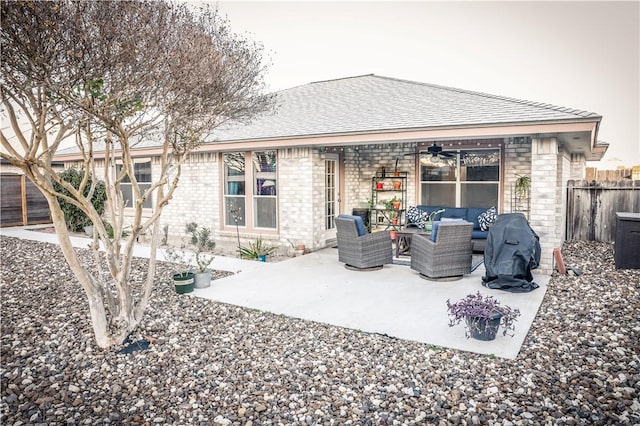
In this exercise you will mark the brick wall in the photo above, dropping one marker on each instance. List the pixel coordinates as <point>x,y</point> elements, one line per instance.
<point>301,185</point>
<point>544,196</point>
<point>297,194</point>
<point>362,163</point>
<point>517,161</point>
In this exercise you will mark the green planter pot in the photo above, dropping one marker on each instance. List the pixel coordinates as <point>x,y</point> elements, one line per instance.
<point>184,283</point>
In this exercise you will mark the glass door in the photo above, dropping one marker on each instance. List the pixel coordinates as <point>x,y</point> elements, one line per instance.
<point>331,195</point>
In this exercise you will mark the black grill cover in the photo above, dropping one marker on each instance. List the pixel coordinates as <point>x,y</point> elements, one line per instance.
<point>512,251</point>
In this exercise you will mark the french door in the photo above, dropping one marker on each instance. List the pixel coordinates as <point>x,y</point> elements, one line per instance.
<point>331,194</point>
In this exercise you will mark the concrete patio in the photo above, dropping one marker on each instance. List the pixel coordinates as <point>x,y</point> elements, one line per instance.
<point>393,301</point>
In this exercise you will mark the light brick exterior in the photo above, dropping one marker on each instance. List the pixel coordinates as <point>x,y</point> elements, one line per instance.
<point>517,162</point>
<point>301,190</point>
<point>578,169</point>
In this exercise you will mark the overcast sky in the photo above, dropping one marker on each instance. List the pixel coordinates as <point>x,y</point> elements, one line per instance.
<point>583,55</point>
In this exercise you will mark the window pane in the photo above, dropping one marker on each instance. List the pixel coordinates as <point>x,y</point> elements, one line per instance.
<point>479,194</point>
<point>480,166</point>
<point>127,194</point>
<point>142,171</point>
<point>234,173</point>
<point>438,194</point>
<point>265,212</point>
<point>119,170</point>
<point>264,173</point>
<point>148,203</point>
<point>442,170</point>
<point>234,211</point>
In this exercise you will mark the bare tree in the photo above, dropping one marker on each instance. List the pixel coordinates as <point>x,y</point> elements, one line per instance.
<point>114,75</point>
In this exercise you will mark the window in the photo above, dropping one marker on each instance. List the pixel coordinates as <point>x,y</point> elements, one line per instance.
<point>261,208</point>
<point>234,192</point>
<point>465,178</point>
<point>142,174</point>
<point>264,189</point>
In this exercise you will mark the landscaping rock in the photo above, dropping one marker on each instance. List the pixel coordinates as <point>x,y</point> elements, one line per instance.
<point>212,363</point>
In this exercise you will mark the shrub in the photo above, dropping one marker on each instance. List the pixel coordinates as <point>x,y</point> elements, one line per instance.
<point>202,243</point>
<point>257,249</point>
<point>74,217</point>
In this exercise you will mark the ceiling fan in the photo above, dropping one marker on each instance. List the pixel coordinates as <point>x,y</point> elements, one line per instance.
<point>436,152</point>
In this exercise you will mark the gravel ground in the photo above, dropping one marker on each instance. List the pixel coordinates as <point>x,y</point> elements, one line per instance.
<point>213,363</point>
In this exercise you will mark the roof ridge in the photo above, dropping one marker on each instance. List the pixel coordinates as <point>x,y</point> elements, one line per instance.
<point>341,78</point>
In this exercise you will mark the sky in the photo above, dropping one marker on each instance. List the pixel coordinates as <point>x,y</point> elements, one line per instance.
<point>582,55</point>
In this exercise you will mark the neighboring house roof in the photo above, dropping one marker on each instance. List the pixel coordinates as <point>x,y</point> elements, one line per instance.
<point>374,103</point>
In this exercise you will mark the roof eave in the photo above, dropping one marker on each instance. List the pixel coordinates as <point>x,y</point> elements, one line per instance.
<point>467,131</point>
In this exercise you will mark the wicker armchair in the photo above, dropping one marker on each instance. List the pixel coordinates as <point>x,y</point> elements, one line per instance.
<point>449,257</point>
<point>362,252</point>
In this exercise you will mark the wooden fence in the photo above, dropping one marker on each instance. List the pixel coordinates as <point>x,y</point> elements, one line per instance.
<point>21,203</point>
<point>592,173</point>
<point>592,207</point>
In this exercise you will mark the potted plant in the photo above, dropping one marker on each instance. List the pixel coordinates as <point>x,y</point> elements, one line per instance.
<point>428,225</point>
<point>258,250</point>
<point>482,315</point>
<point>183,279</point>
<point>392,204</point>
<point>396,203</point>
<point>202,244</point>
<point>522,184</point>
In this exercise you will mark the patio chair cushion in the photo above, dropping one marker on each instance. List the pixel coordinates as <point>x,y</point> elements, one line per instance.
<point>362,230</point>
<point>436,224</point>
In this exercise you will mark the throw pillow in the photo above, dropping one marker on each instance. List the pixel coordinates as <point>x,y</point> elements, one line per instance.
<point>487,218</point>
<point>415,215</point>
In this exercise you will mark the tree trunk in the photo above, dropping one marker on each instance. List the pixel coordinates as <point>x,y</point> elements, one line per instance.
<point>107,333</point>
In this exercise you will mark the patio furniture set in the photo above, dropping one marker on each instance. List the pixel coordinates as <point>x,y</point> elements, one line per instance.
<point>442,254</point>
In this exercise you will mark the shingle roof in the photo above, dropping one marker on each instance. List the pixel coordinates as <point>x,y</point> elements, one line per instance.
<point>371,103</point>
<point>374,103</point>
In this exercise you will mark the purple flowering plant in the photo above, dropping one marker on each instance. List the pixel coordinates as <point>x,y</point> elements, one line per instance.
<point>476,309</point>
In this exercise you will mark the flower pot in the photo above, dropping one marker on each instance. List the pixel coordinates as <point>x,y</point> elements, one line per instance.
<point>262,257</point>
<point>393,235</point>
<point>394,221</point>
<point>184,283</point>
<point>379,185</point>
<point>396,205</point>
<point>397,185</point>
<point>202,279</point>
<point>484,328</point>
